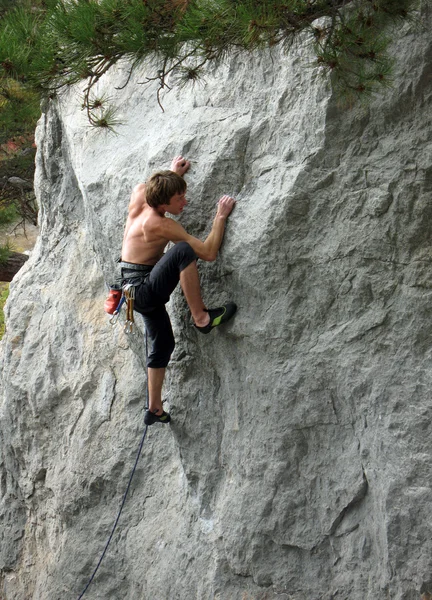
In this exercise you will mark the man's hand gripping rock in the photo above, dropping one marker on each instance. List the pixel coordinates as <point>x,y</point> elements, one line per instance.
<point>180,165</point>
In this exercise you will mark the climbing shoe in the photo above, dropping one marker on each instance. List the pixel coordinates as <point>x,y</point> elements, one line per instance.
<point>112,301</point>
<point>150,417</point>
<point>218,316</point>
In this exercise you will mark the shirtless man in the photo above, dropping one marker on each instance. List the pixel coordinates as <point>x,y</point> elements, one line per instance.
<point>155,274</point>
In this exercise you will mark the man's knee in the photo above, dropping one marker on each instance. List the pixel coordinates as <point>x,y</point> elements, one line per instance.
<point>160,357</point>
<point>185,247</point>
<point>186,254</point>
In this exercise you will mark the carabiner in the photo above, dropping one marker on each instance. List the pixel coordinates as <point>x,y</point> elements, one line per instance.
<point>128,328</point>
<point>113,320</point>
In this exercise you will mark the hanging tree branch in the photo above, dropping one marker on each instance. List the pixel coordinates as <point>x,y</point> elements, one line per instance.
<point>67,41</point>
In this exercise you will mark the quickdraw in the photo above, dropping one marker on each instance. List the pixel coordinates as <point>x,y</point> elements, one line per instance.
<point>127,298</point>
<point>129,293</point>
<point>116,313</point>
<point>132,275</point>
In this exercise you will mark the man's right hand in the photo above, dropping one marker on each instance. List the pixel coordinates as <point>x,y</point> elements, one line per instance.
<point>225,206</point>
<point>180,165</point>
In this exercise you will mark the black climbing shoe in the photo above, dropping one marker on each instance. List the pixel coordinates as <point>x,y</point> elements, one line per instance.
<point>218,316</point>
<point>151,417</point>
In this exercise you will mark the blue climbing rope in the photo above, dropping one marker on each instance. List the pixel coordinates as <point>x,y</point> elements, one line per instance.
<point>127,489</point>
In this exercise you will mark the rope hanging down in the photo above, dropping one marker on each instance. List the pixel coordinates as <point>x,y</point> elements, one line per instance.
<point>126,492</point>
<point>118,516</point>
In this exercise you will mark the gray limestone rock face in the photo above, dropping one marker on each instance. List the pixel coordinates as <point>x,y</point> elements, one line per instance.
<point>298,462</point>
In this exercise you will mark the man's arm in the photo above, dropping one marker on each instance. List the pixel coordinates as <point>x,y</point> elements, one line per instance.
<point>137,200</point>
<point>208,249</point>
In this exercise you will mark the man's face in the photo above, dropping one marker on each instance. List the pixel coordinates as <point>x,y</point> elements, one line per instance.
<point>177,204</point>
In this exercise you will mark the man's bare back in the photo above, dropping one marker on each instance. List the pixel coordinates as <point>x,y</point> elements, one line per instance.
<point>141,242</point>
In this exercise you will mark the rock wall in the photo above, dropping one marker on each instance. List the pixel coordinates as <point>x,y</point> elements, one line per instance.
<point>298,462</point>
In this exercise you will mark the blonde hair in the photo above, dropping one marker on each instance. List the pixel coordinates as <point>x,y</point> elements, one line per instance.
<point>162,186</point>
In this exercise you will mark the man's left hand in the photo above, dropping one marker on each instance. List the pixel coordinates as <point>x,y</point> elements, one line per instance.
<point>180,165</point>
<point>225,206</point>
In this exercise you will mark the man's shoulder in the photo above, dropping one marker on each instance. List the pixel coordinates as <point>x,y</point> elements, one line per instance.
<point>151,221</point>
<point>139,188</point>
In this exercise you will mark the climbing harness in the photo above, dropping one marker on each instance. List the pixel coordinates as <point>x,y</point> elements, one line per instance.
<point>143,437</point>
<point>132,276</point>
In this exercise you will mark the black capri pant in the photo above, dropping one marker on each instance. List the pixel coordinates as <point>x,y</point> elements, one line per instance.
<point>151,297</point>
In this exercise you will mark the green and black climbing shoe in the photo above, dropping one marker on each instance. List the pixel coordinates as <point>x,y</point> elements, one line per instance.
<point>150,417</point>
<point>218,316</point>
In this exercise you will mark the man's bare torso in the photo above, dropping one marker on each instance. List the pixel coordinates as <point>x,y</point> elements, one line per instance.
<point>148,230</point>
<point>142,241</point>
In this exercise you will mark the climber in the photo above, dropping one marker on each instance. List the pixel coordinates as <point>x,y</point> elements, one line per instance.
<point>155,275</point>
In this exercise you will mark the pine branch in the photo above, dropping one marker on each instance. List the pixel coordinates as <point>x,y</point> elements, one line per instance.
<point>81,40</point>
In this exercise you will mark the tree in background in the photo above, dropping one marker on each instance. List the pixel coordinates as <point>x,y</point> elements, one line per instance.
<point>56,43</point>
<point>19,111</point>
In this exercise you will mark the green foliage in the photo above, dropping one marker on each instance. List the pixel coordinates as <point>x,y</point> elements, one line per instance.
<point>19,109</point>
<point>354,45</point>
<point>19,101</point>
<point>8,214</point>
<point>19,106</point>
<point>18,163</point>
<point>4,254</point>
<point>15,204</point>
<point>4,293</point>
<point>61,42</point>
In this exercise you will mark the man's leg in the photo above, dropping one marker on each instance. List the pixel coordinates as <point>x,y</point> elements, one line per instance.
<point>179,263</point>
<point>149,301</point>
<point>190,283</point>
<point>165,275</point>
<point>155,382</point>
<point>160,336</point>
<point>204,319</point>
